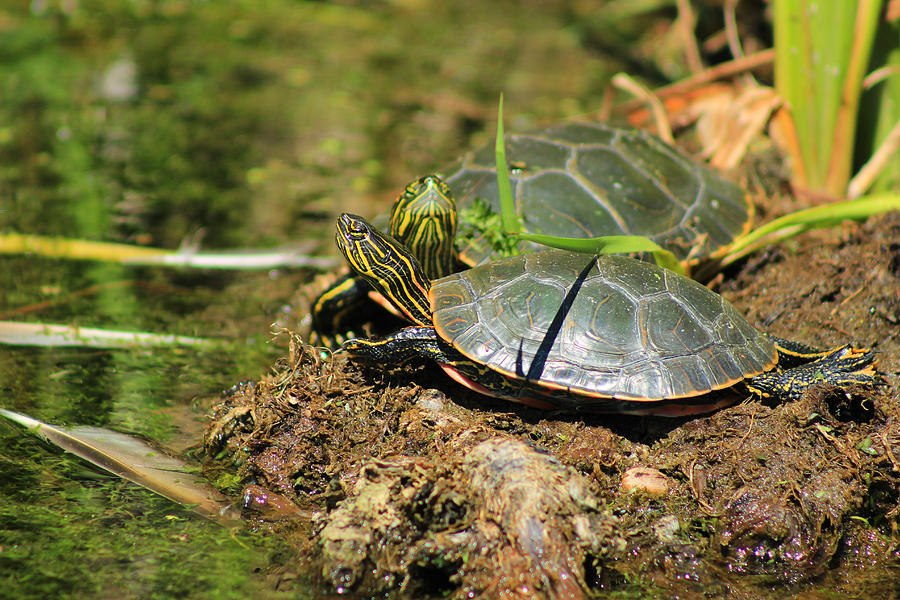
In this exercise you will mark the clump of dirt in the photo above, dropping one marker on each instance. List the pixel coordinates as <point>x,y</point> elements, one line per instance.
<point>829,287</point>
<point>412,490</point>
<point>434,490</point>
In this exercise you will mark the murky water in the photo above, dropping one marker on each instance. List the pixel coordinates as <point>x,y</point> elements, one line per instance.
<point>68,528</point>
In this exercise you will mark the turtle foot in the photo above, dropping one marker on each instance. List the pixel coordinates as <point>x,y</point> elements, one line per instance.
<point>842,366</point>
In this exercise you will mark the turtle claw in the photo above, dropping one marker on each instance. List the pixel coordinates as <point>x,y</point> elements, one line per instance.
<point>848,360</point>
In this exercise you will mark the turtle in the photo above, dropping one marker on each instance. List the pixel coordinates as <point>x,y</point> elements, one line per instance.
<point>575,179</point>
<point>590,179</point>
<point>598,333</point>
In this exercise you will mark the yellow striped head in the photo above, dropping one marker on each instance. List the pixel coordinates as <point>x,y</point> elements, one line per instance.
<point>424,219</point>
<point>387,265</point>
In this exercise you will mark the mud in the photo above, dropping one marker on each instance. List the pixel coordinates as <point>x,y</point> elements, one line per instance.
<point>404,482</point>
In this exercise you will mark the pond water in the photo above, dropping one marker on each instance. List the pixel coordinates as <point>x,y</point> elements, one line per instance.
<point>55,506</point>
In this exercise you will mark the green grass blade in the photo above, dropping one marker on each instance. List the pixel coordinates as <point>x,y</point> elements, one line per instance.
<point>46,334</point>
<point>58,247</point>
<point>817,217</point>
<point>510,220</point>
<point>75,249</point>
<point>610,244</point>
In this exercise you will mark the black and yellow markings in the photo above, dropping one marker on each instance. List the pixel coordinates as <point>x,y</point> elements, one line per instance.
<point>843,365</point>
<point>424,219</point>
<point>387,265</point>
<point>332,301</point>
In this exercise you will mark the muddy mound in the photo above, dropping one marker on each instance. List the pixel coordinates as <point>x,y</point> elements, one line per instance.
<point>404,481</point>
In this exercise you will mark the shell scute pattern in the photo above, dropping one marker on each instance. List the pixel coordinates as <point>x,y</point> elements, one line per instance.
<point>612,327</point>
<point>633,330</point>
<point>671,329</point>
<point>591,179</point>
<point>518,305</point>
<point>484,345</point>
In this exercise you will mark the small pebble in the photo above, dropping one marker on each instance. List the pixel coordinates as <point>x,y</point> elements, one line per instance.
<point>644,479</point>
<point>667,528</point>
<point>432,401</point>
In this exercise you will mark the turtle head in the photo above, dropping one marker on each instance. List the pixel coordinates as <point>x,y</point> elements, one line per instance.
<point>387,265</point>
<point>424,219</point>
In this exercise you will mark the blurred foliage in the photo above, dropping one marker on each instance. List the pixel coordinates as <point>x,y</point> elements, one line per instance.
<point>146,121</point>
<point>880,104</point>
<point>823,53</point>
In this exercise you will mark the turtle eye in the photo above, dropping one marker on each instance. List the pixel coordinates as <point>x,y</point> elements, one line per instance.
<point>357,228</point>
<point>354,226</point>
<point>430,181</point>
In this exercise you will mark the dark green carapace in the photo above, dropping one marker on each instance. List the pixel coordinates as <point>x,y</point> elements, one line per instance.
<point>592,179</point>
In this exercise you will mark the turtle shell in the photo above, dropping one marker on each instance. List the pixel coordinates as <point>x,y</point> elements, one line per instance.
<point>592,179</point>
<point>603,326</point>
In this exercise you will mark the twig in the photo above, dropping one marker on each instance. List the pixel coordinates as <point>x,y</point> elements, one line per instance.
<point>685,23</point>
<point>700,500</point>
<point>663,129</point>
<point>749,429</point>
<point>886,152</point>
<point>887,450</point>
<point>721,71</point>
<point>851,296</point>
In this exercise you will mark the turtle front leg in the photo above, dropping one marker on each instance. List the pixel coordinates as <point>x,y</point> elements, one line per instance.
<point>398,348</point>
<point>841,366</point>
<point>423,342</point>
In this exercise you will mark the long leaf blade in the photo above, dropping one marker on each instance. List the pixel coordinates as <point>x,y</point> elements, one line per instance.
<point>812,218</point>
<point>138,462</point>
<point>508,217</point>
<point>47,334</point>
<point>610,244</point>
<point>821,51</point>
<point>76,249</point>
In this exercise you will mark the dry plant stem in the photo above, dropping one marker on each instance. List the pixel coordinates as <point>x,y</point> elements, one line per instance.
<point>869,172</point>
<point>892,11</point>
<point>746,433</point>
<point>887,449</point>
<point>851,296</point>
<point>664,130</point>
<point>686,22</point>
<point>728,69</point>
<point>86,292</point>
<point>879,75</point>
<point>731,31</point>
<point>606,106</point>
<point>696,492</point>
